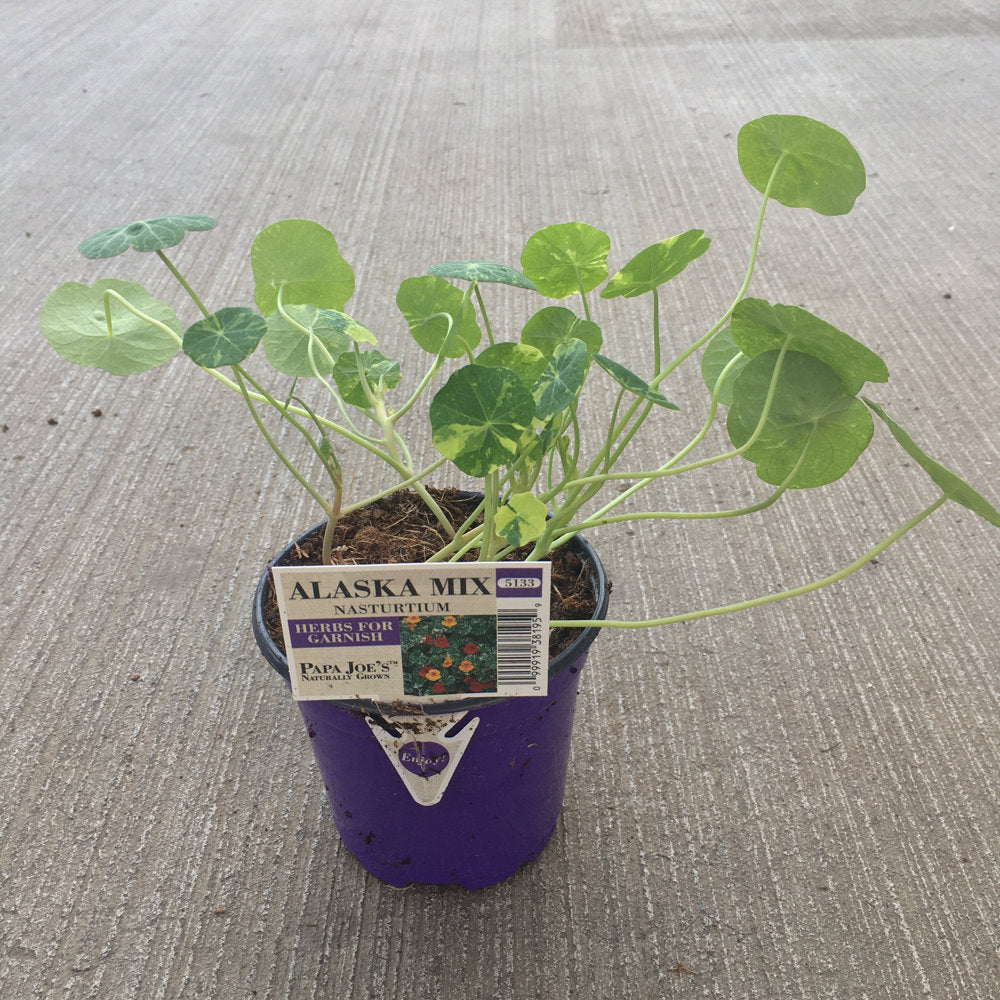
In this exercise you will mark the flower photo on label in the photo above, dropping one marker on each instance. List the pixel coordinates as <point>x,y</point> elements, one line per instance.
<point>429,665</point>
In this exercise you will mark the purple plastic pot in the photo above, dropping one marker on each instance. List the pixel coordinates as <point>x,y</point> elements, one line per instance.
<point>492,771</point>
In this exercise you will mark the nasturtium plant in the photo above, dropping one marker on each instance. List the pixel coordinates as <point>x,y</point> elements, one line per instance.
<point>544,416</point>
<point>561,380</point>
<point>523,360</point>
<point>630,381</point>
<point>447,654</point>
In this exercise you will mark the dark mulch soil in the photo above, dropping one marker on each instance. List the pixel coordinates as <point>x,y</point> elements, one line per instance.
<point>401,529</point>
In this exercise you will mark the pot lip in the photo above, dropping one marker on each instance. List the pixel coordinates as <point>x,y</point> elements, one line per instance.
<point>573,653</point>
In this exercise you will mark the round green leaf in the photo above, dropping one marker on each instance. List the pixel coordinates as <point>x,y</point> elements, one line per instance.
<point>811,415</point>
<point>818,168</point>
<point>479,416</point>
<point>526,362</point>
<point>630,381</point>
<point>561,381</point>
<point>720,351</point>
<point>521,519</point>
<point>287,344</point>
<point>554,325</point>
<point>145,235</point>
<point>657,264</point>
<point>226,337</point>
<point>953,486</point>
<point>565,259</point>
<point>758,327</point>
<point>378,369</point>
<point>349,327</point>
<point>74,320</point>
<point>481,270</point>
<point>426,302</point>
<point>300,258</point>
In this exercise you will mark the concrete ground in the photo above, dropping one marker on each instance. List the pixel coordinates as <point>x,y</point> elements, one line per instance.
<point>797,802</point>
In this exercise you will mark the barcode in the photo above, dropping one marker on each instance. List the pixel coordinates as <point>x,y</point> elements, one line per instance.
<point>516,651</point>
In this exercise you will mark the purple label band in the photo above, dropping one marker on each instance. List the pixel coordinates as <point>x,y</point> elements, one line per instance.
<point>519,582</point>
<point>320,633</point>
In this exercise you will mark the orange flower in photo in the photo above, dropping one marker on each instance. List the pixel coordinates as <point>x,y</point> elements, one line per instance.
<point>445,653</point>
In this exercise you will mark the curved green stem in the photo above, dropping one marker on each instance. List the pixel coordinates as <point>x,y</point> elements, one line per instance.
<point>624,442</point>
<point>327,509</point>
<point>474,540</point>
<point>282,408</point>
<point>187,288</point>
<point>466,538</point>
<point>416,477</point>
<point>783,595</point>
<point>679,515</point>
<point>110,293</point>
<point>670,468</point>
<point>332,519</point>
<point>312,342</point>
<point>409,478</point>
<point>492,500</point>
<point>656,330</point>
<point>428,375</point>
<point>482,312</point>
<point>708,515</point>
<point>754,245</point>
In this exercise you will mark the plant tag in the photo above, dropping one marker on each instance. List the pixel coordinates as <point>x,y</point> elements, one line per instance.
<point>424,754</point>
<point>423,632</point>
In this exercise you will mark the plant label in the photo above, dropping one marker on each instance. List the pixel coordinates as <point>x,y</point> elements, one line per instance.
<point>416,631</point>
